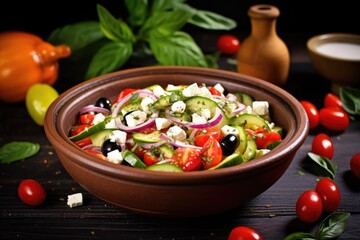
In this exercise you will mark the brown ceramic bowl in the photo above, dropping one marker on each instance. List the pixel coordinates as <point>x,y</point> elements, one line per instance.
<point>175,194</point>
<point>336,56</point>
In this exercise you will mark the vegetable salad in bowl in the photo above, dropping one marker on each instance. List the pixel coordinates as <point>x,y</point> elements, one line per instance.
<point>177,128</point>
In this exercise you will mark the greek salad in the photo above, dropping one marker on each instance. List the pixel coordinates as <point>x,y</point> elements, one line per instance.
<point>177,128</point>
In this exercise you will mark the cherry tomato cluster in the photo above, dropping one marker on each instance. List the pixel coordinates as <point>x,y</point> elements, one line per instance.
<point>331,116</point>
<point>312,203</point>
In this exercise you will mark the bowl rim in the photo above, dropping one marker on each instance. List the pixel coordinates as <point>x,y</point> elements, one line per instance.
<point>144,176</point>
<point>313,42</point>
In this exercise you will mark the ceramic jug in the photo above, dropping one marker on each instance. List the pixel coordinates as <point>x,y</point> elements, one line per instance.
<point>263,54</point>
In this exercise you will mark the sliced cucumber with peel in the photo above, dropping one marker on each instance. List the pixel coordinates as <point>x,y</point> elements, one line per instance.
<point>164,167</point>
<point>251,121</point>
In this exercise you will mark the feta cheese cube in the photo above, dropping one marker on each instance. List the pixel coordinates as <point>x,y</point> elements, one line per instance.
<point>98,118</point>
<point>135,118</point>
<point>115,156</point>
<point>118,136</point>
<point>260,107</point>
<point>162,123</point>
<point>204,92</point>
<point>191,90</point>
<point>75,200</point>
<point>219,87</point>
<point>176,133</point>
<point>159,91</point>
<point>111,124</point>
<point>178,107</point>
<point>204,112</point>
<point>145,103</point>
<point>196,118</point>
<point>226,130</point>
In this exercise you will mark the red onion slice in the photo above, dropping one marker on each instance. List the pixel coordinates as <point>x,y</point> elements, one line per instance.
<point>140,127</point>
<point>93,108</point>
<point>178,143</point>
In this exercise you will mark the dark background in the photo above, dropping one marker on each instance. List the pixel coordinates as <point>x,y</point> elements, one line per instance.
<point>309,17</point>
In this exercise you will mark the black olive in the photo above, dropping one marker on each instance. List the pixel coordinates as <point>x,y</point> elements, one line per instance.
<point>229,144</point>
<point>109,146</point>
<point>104,103</point>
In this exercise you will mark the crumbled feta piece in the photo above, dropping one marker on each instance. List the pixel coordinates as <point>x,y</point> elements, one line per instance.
<point>178,107</point>
<point>159,91</point>
<point>171,87</point>
<point>196,118</point>
<point>176,133</point>
<point>226,130</point>
<point>204,92</point>
<point>75,200</point>
<point>98,118</point>
<point>162,123</point>
<point>248,109</point>
<point>135,118</point>
<point>219,87</point>
<point>118,136</point>
<point>145,103</point>
<point>115,156</point>
<point>260,107</point>
<point>204,112</point>
<point>111,124</point>
<point>191,90</point>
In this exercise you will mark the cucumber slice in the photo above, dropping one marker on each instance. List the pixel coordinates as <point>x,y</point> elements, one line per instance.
<point>147,137</point>
<point>278,129</point>
<point>164,167</point>
<point>133,160</point>
<point>132,106</point>
<point>99,138</point>
<point>91,130</point>
<point>250,151</point>
<point>229,161</point>
<point>244,98</point>
<point>251,121</point>
<point>167,151</point>
<point>242,138</point>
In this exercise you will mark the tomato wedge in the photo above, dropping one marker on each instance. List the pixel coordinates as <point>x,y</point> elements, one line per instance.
<point>203,135</point>
<point>211,153</point>
<point>187,158</point>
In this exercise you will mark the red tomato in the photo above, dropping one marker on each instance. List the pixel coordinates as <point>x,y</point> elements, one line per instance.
<point>263,137</point>
<point>323,145</point>
<point>123,93</point>
<point>75,130</point>
<point>334,119</point>
<point>214,91</point>
<point>83,142</point>
<point>355,164</point>
<point>309,206</point>
<point>150,158</point>
<point>211,153</point>
<point>202,135</point>
<point>228,44</point>
<point>31,192</point>
<point>329,194</point>
<point>96,154</point>
<point>87,118</point>
<point>332,100</point>
<point>312,113</point>
<point>244,233</point>
<point>187,158</point>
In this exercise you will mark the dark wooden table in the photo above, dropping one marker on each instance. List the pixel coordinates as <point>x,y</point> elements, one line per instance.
<point>272,213</point>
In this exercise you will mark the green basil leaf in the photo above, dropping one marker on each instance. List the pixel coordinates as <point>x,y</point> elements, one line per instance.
<point>78,35</point>
<point>114,29</point>
<point>350,97</point>
<point>137,11</point>
<point>211,61</point>
<point>14,151</point>
<point>321,166</point>
<point>299,236</point>
<point>164,23</point>
<point>164,5</point>
<point>109,58</point>
<point>211,20</point>
<point>178,49</point>
<point>332,226</point>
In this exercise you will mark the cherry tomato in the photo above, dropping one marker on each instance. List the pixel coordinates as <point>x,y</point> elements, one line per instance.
<point>323,145</point>
<point>75,130</point>
<point>312,113</point>
<point>334,119</point>
<point>211,153</point>
<point>152,157</point>
<point>123,93</point>
<point>31,192</point>
<point>244,233</point>
<point>96,154</point>
<point>309,206</point>
<point>38,99</point>
<point>355,164</point>
<point>187,158</point>
<point>87,118</point>
<point>228,44</point>
<point>263,137</point>
<point>329,194</point>
<point>83,142</point>
<point>202,135</point>
<point>214,91</point>
<point>332,100</point>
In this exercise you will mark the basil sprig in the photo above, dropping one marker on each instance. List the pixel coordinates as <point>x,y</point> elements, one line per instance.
<point>320,165</point>
<point>330,228</point>
<point>14,151</point>
<point>350,98</point>
<point>152,27</point>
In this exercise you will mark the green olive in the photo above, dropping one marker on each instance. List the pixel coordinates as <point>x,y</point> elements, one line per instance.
<point>38,99</point>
